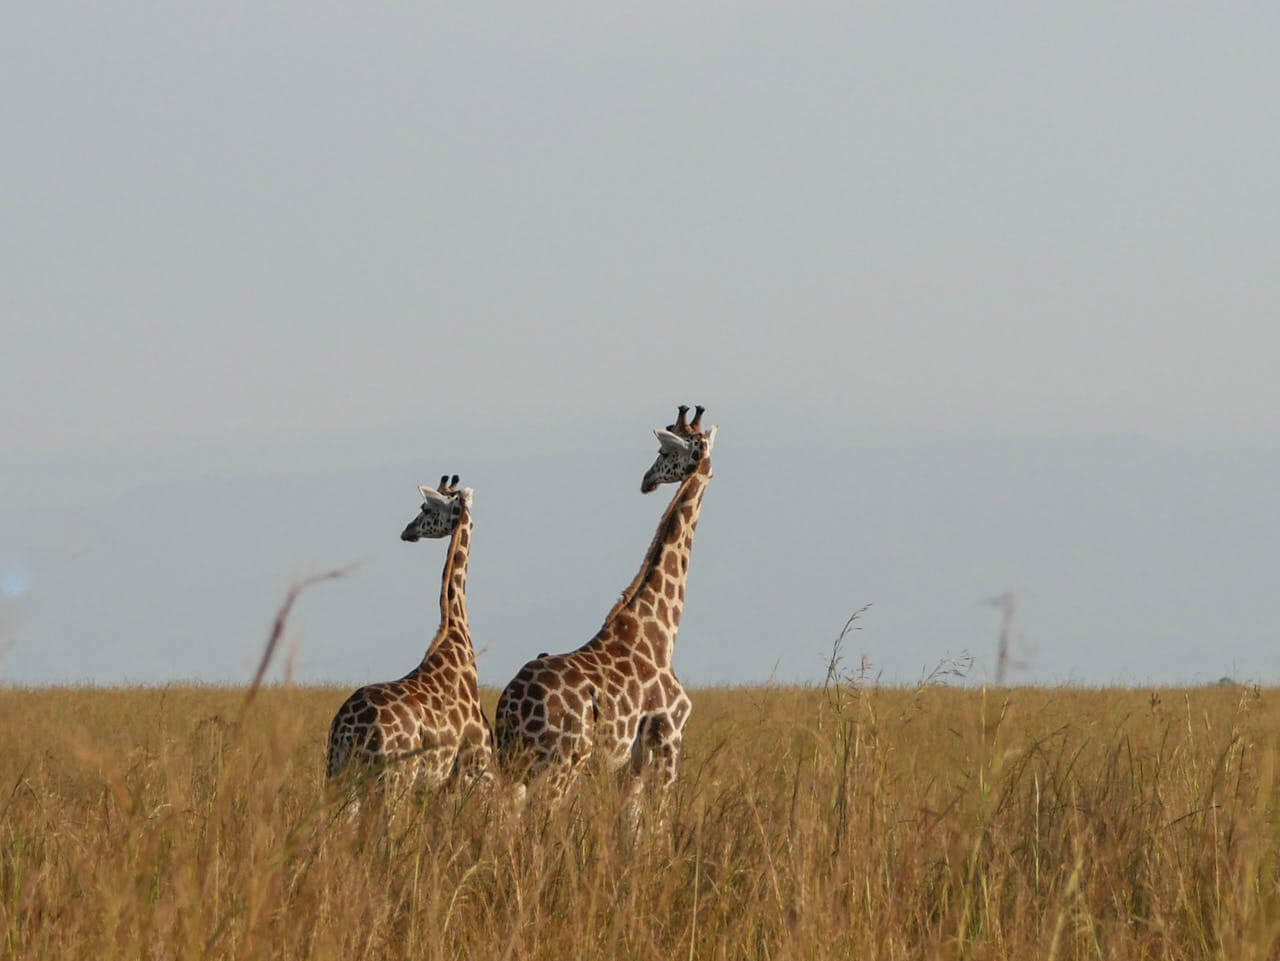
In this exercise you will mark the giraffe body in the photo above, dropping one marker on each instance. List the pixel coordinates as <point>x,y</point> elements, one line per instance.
<point>427,726</point>
<point>617,698</point>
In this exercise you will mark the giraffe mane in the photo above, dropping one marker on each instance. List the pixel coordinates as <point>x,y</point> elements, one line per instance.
<point>669,517</point>
<point>446,578</point>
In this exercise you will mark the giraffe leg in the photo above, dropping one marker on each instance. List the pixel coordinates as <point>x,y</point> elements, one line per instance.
<point>396,781</point>
<point>363,785</point>
<point>474,765</point>
<point>667,747</point>
<point>519,758</point>
<point>429,769</point>
<point>556,759</point>
<point>666,739</point>
<point>339,754</point>
<point>351,795</point>
<point>633,773</point>
<point>516,764</point>
<point>557,766</point>
<point>641,748</point>
<point>559,774</point>
<point>350,767</point>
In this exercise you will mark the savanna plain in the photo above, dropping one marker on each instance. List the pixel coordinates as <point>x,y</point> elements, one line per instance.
<point>845,820</point>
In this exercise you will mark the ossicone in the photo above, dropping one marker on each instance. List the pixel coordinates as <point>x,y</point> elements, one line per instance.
<point>670,441</point>
<point>430,495</point>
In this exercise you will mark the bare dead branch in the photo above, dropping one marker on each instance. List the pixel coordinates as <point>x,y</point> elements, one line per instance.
<point>282,618</point>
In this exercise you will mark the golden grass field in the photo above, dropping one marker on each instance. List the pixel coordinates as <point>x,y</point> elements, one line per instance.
<point>840,822</point>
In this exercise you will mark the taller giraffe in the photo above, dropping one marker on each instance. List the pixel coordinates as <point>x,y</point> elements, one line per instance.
<point>617,696</point>
<point>428,724</point>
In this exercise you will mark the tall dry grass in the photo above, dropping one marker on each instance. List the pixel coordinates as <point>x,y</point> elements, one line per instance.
<point>845,822</point>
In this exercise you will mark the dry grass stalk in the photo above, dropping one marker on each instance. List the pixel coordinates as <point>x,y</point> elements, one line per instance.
<point>278,627</point>
<point>914,823</point>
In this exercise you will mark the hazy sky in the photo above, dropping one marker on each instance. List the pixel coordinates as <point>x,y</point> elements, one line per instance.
<point>982,296</point>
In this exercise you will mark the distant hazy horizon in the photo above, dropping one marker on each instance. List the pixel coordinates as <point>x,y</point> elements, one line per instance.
<point>983,299</point>
<point>1134,561</point>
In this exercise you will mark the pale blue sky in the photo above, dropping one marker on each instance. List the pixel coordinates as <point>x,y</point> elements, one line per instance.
<point>982,297</point>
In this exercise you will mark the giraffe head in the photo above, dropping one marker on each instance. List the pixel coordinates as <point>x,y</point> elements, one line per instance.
<point>682,447</point>
<point>441,508</point>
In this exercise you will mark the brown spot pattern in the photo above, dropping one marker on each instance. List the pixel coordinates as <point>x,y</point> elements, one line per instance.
<point>594,700</point>
<point>429,721</point>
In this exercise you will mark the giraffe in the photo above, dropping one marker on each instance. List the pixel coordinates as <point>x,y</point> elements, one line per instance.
<point>428,725</point>
<point>617,697</point>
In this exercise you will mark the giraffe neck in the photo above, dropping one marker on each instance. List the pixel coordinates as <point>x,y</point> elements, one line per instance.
<point>453,628</point>
<point>647,615</point>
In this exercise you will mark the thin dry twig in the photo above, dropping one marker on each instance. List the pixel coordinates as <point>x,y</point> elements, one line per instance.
<point>282,618</point>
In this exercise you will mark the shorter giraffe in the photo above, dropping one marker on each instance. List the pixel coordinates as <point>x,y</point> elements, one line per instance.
<point>617,696</point>
<point>428,725</point>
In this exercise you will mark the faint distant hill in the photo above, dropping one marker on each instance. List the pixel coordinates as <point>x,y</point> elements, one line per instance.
<point>1126,554</point>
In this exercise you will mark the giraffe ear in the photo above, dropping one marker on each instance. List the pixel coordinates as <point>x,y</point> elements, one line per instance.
<point>430,495</point>
<point>670,441</point>
<point>711,438</point>
<point>468,497</point>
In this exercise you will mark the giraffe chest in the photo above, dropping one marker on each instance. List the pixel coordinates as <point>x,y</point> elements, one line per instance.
<point>628,708</point>
<point>620,691</point>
